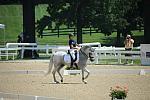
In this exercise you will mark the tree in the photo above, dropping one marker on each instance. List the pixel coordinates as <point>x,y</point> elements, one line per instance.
<point>29,26</point>
<point>106,15</point>
<point>126,13</point>
<point>147,21</point>
<point>74,13</point>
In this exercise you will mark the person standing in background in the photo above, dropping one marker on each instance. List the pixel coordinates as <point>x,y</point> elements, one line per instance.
<point>128,46</point>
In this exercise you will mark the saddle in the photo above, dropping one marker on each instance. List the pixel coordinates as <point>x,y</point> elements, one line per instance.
<point>72,57</point>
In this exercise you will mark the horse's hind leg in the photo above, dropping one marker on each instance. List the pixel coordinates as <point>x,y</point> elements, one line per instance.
<point>60,73</point>
<point>54,72</point>
<point>88,73</point>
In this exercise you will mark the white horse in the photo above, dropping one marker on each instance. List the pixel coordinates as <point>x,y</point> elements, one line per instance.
<point>57,60</point>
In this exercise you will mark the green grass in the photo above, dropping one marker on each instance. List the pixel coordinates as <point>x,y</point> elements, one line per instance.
<point>11,16</point>
<point>96,37</point>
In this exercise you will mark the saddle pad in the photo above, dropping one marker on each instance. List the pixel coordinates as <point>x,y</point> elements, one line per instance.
<point>60,53</point>
<point>67,58</point>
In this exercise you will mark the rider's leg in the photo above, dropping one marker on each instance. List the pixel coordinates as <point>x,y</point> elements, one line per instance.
<point>76,65</point>
<point>75,56</point>
<point>75,60</point>
<point>71,65</point>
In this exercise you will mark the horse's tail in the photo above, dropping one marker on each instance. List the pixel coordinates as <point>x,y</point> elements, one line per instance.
<point>50,65</point>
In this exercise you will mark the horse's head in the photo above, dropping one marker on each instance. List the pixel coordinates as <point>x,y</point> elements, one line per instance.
<point>89,52</point>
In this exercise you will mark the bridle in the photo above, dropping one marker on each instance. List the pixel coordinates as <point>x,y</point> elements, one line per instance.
<point>86,54</point>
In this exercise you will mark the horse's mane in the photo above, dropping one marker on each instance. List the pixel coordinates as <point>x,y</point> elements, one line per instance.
<point>85,47</point>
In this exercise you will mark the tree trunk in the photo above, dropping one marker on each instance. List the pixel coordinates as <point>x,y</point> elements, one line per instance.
<point>28,25</point>
<point>79,32</point>
<point>118,38</point>
<point>146,22</point>
<point>79,22</point>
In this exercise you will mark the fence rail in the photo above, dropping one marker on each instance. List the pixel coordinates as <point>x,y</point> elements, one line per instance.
<point>115,54</point>
<point>11,96</point>
<point>102,53</point>
<point>63,31</point>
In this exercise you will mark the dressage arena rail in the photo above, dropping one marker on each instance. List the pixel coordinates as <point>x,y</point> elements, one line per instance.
<point>114,54</point>
<point>100,52</point>
<point>11,96</point>
<point>34,46</point>
<point>5,52</point>
<point>109,53</point>
<point>92,71</point>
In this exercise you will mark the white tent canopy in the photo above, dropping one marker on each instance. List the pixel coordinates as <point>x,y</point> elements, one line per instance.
<point>2,26</point>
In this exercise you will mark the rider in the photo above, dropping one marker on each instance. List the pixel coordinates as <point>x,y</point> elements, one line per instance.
<point>75,47</point>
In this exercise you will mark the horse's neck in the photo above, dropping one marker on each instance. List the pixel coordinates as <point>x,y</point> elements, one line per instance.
<point>82,56</point>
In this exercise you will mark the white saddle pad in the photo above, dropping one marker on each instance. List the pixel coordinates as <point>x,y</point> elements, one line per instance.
<point>67,58</point>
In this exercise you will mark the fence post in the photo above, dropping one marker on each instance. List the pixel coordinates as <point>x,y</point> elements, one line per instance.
<point>47,49</point>
<point>7,54</point>
<point>119,57</point>
<point>36,97</point>
<point>0,54</point>
<point>22,52</point>
<point>97,57</point>
<point>58,31</point>
<point>74,31</point>
<point>90,31</point>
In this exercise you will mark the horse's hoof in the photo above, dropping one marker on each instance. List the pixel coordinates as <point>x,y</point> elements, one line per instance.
<point>56,82</point>
<point>61,80</point>
<point>85,82</point>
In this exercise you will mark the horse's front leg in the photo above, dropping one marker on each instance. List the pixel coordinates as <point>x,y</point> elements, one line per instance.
<point>83,79</point>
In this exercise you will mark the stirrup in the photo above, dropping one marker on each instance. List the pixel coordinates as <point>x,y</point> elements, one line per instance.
<point>68,52</point>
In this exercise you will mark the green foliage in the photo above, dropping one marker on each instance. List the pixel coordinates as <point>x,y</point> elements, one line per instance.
<point>118,92</point>
<point>106,15</point>
<point>11,16</point>
<point>42,23</point>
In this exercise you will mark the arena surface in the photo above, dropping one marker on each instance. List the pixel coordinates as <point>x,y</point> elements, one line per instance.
<point>97,88</point>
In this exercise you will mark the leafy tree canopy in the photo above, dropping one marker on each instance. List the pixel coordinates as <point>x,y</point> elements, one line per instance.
<point>106,15</point>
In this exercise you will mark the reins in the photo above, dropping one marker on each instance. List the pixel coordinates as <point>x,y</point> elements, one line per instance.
<point>83,53</point>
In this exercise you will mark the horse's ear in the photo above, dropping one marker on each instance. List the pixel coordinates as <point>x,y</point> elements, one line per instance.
<point>92,49</point>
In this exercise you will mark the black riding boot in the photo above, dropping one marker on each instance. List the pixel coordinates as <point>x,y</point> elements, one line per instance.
<point>76,65</point>
<point>75,60</point>
<point>75,56</point>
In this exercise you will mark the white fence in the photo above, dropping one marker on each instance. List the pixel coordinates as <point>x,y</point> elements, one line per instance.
<point>11,96</point>
<point>100,52</point>
<point>9,52</point>
<point>115,54</point>
<point>97,44</point>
